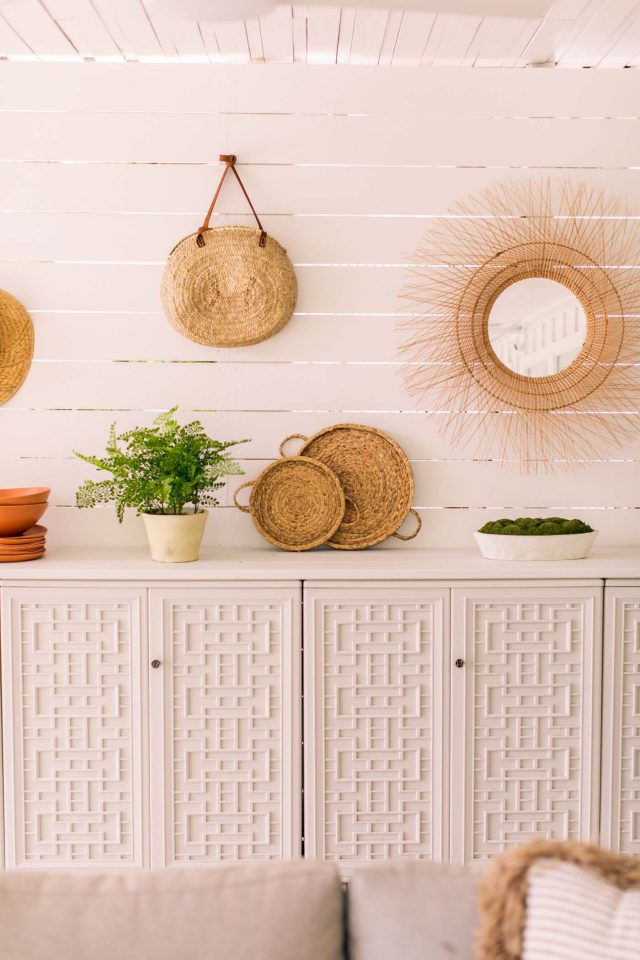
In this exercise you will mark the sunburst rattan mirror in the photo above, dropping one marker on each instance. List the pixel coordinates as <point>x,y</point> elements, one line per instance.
<point>559,231</point>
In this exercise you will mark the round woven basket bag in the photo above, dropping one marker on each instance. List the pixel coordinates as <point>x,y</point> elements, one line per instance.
<point>295,503</point>
<point>16,345</point>
<point>376,477</point>
<point>229,286</point>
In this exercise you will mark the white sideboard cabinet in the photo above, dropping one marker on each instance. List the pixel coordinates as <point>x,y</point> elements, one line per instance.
<point>621,718</point>
<point>74,725</point>
<point>525,714</point>
<point>129,746</point>
<point>455,743</point>
<point>376,668</point>
<point>225,723</point>
<point>398,703</point>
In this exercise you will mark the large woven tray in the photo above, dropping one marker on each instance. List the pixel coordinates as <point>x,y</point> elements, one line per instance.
<point>295,503</point>
<point>376,478</point>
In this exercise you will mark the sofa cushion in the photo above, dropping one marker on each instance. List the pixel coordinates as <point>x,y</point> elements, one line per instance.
<point>413,910</point>
<point>571,912</point>
<point>272,911</point>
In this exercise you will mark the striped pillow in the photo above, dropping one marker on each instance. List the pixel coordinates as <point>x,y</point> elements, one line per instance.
<point>572,914</point>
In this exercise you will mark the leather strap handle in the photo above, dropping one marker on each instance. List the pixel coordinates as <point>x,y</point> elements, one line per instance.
<point>241,506</point>
<point>229,160</point>
<point>417,530</point>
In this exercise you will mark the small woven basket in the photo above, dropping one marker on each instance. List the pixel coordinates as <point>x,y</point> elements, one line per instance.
<point>16,345</point>
<point>295,503</point>
<point>228,286</point>
<point>376,478</point>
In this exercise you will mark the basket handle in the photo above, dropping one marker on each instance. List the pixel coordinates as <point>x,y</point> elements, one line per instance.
<point>241,506</point>
<point>292,436</point>
<point>349,523</point>
<point>410,536</point>
<point>229,161</point>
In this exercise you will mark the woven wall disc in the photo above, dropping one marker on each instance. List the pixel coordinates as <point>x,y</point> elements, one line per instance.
<point>377,480</point>
<point>295,503</point>
<point>16,345</point>
<point>229,292</point>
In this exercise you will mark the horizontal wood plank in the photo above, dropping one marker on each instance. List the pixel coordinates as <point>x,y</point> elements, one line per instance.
<point>316,338</point>
<point>228,386</point>
<point>299,386</point>
<point>439,484</point>
<point>337,139</point>
<point>92,337</point>
<point>90,238</point>
<point>53,433</point>
<point>174,197</point>
<point>203,89</point>
<point>136,287</point>
<point>132,288</point>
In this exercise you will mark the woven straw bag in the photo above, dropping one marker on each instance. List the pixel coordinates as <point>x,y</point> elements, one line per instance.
<point>229,286</point>
<point>16,345</point>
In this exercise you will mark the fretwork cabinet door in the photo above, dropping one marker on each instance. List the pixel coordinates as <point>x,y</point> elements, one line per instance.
<point>73,726</point>
<point>525,709</point>
<point>225,723</point>
<point>621,718</point>
<point>375,698</point>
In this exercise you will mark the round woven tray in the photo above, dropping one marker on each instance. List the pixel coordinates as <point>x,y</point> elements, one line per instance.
<point>295,503</point>
<point>228,291</point>
<point>376,478</point>
<point>16,345</point>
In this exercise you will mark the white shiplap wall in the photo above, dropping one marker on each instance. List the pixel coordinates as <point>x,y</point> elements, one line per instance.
<point>104,167</point>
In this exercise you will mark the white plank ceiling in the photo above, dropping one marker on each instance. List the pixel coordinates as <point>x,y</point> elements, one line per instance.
<point>574,33</point>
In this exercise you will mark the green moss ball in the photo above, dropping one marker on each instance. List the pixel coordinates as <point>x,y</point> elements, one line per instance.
<point>535,527</point>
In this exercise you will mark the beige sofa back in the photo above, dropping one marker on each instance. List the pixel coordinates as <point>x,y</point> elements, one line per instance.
<point>407,910</point>
<point>273,911</point>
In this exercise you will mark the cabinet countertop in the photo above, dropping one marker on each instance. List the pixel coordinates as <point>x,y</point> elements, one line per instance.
<point>134,564</point>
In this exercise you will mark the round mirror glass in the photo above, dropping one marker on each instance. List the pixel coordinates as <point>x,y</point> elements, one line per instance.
<point>537,327</point>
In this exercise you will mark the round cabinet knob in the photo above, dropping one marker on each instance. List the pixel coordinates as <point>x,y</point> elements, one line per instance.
<point>155,664</point>
<point>459,663</point>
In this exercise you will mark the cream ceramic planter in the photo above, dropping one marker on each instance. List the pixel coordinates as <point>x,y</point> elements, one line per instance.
<point>567,546</point>
<point>175,538</point>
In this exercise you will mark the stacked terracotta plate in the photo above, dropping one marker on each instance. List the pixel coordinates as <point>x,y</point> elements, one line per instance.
<point>21,538</point>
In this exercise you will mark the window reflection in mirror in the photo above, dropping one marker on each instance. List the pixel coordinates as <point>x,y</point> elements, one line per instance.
<point>537,327</point>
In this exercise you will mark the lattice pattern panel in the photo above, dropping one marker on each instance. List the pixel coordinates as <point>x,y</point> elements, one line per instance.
<point>629,799</point>
<point>378,674</point>
<point>74,661</point>
<point>227,730</point>
<point>527,712</point>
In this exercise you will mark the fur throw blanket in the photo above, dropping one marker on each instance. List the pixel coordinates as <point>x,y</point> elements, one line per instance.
<point>503,890</point>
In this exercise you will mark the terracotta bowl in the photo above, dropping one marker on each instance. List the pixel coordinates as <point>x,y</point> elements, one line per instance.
<point>16,518</point>
<point>14,496</point>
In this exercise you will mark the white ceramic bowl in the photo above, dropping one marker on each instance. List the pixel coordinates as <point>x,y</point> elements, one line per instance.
<point>563,546</point>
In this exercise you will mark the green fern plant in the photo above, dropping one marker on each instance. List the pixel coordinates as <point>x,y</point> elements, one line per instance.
<point>159,469</point>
